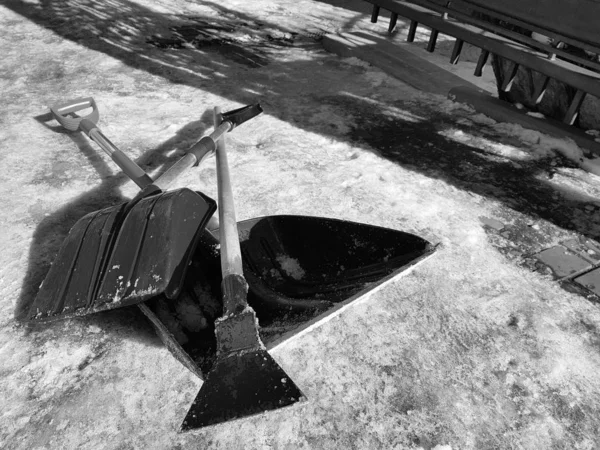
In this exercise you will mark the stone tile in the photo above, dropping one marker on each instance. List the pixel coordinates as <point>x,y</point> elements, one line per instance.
<point>590,280</point>
<point>561,261</point>
<point>492,223</point>
<point>580,247</point>
<point>592,245</point>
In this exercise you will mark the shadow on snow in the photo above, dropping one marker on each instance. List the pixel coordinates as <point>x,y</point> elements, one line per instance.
<point>206,52</point>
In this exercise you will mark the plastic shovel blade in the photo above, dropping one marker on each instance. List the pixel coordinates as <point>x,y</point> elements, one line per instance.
<point>124,255</point>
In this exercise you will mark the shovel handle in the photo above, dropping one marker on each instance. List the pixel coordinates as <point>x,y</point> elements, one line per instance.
<point>72,123</point>
<point>87,124</point>
<point>234,285</point>
<point>208,144</point>
<point>194,156</point>
<point>231,255</point>
<point>130,168</point>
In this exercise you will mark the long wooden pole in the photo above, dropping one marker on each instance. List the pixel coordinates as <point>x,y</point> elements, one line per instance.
<point>231,254</point>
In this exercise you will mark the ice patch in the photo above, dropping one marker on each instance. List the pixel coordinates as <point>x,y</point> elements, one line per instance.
<point>482,119</point>
<point>354,61</point>
<point>376,78</point>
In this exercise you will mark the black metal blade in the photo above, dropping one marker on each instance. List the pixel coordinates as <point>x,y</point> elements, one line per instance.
<point>241,384</point>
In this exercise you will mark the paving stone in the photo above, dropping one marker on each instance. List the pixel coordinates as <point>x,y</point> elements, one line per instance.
<point>492,223</point>
<point>590,280</point>
<point>561,261</point>
<point>579,246</point>
<point>592,245</point>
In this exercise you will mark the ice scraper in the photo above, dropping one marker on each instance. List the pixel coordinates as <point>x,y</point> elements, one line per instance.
<point>244,380</point>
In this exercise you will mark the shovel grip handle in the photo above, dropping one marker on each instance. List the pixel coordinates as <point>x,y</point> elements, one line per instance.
<point>193,157</point>
<point>60,112</point>
<point>241,115</point>
<point>130,168</point>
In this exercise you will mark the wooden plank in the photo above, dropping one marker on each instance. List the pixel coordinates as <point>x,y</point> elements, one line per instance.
<point>412,30</point>
<point>530,26</point>
<point>434,3</point>
<point>540,90</point>
<point>518,37</point>
<point>432,40</point>
<point>458,9</point>
<point>578,77</point>
<point>577,19</point>
<point>375,13</point>
<point>573,110</point>
<point>458,45</point>
<point>481,62</point>
<point>393,21</point>
<point>508,80</point>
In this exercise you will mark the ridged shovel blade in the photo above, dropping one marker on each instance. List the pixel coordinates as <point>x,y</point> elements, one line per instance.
<point>124,255</point>
<point>240,385</point>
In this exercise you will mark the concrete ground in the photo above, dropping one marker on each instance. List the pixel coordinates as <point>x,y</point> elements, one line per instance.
<point>479,347</point>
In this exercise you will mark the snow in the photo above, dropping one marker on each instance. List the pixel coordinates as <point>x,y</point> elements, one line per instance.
<point>468,350</point>
<point>545,145</point>
<point>192,318</point>
<point>291,266</point>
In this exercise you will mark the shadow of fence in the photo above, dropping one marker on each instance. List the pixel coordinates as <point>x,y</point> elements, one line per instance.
<point>208,53</point>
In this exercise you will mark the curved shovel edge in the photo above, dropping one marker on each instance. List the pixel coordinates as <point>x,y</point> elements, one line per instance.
<point>340,307</point>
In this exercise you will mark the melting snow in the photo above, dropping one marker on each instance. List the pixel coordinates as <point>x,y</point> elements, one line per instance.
<point>544,145</point>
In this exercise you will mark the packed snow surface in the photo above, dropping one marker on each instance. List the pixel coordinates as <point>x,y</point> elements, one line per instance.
<point>471,350</point>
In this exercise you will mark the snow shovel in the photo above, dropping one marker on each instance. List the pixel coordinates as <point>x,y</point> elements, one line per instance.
<point>244,380</point>
<point>301,271</point>
<point>291,286</point>
<point>128,253</point>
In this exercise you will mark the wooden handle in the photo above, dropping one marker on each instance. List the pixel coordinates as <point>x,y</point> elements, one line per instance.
<point>231,255</point>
